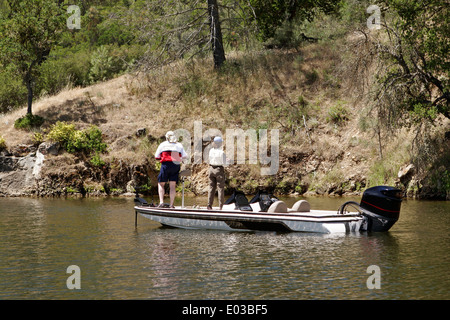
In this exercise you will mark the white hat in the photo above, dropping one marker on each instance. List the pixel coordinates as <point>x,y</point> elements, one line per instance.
<point>170,136</point>
<point>218,139</point>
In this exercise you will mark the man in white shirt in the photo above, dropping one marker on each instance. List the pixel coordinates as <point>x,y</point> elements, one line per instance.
<point>169,153</point>
<point>217,161</point>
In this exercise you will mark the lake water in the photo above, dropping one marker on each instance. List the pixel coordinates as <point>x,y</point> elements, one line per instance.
<point>41,238</point>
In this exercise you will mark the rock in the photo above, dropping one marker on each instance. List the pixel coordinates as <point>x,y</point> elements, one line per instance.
<point>16,175</point>
<point>22,150</point>
<point>141,132</point>
<point>49,148</point>
<point>406,173</point>
<point>130,186</point>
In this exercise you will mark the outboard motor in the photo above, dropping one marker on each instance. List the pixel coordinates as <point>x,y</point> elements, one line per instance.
<point>381,206</point>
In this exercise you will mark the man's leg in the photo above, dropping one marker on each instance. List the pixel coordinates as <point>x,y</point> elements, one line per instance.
<point>221,189</point>
<point>212,188</point>
<point>173,186</point>
<point>161,191</point>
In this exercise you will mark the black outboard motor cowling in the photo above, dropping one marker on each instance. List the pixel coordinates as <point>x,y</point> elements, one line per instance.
<point>381,205</point>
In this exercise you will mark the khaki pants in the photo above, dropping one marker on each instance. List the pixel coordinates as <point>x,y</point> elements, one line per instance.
<point>216,180</point>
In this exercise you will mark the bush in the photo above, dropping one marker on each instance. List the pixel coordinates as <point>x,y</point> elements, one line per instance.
<point>96,161</point>
<point>61,132</point>
<point>94,140</point>
<point>37,138</point>
<point>28,122</point>
<point>337,113</point>
<point>105,64</point>
<point>286,36</point>
<point>2,143</point>
<point>87,141</point>
<point>72,140</point>
<point>13,92</point>
<point>64,68</point>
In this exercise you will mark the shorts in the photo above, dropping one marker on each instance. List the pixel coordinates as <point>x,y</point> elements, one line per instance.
<point>169,172</point>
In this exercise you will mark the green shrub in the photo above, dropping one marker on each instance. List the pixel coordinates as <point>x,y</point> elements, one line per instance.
<point>64,68</point>
<point>61,132</point>
<point>96,160</point>
<point>2,143</point>
<point>285,36</point>
<point>72,140</point>
<point>13,93</point>
<point>337,113</point>
<point>28,122</point>
<point>89,140</point>
<point>37,138</point>
<point>106,63</point>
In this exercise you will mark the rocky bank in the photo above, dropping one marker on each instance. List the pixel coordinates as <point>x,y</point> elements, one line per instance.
<point>48,171</point>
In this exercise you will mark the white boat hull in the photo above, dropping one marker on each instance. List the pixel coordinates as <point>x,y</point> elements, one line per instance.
<point>317,221</point>
<point>378,211</point>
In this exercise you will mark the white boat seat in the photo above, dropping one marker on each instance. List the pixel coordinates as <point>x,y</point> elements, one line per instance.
<point>278,207</point>
<point>301,206</point>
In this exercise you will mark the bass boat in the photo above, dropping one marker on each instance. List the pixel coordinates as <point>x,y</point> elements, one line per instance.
<point>378,210</point>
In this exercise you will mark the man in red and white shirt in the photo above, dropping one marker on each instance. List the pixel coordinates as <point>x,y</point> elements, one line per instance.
<point>169,153</point>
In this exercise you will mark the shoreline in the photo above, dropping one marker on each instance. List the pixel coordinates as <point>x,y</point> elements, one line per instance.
<point>97,195</point>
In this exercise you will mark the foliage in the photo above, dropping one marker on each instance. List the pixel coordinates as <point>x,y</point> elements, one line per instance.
<point>175,30</point>
<point>414,70</point>
<point>337,113</point>
<point>12,91</point>
<point>94,140</point>
<point>28,33</point>
<point>96,160</point>
<point>106,62</point>
<point>66,67</point>
<point>72,140</point>
<point>61,132</point>
<point>28,122</point>
<point>37,138</point>
<point>270,15</point>
<point>2,143</point>
<point>103,65</point>
<point>71,57</point>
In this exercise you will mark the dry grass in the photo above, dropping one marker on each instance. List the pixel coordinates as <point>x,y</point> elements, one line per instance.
<point>254,90</point>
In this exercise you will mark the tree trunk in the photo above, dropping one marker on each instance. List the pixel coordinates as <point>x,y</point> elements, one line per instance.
<point>30,93</point>
<point>216,34</point>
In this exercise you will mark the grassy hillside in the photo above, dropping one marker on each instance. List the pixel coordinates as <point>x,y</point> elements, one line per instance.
<point>327,141</point>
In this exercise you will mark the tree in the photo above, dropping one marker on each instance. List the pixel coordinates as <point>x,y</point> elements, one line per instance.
<point>216,34</point>
<point>177,29</point>
<point>407,64</point>
<point>28,33</point>
<point>271,14</point>
<point>414,70</point>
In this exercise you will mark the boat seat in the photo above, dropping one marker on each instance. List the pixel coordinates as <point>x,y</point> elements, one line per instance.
<point>278,207</point>
<point>240,201</point>
<point>301,206</point>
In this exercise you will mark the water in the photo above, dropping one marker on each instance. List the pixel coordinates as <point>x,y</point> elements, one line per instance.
<point>40,238</point>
